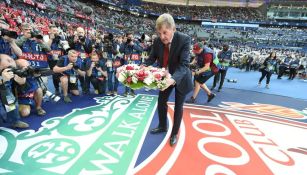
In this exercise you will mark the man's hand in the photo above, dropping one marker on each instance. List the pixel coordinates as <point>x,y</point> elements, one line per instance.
<point>76,38</point>
<point>169,82</point>
<point>8,39</point>
<point>20,80</point>
<point>99,69</point>
<point>124,40</point>
<point>40,41</point>
<point>51,36</point>
<point>131,43</point>
<point>69,66</point>
<point>7,75</point>
<point>93,64</point>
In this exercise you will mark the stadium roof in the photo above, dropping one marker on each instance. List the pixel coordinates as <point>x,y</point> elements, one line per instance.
<point>220,3</point>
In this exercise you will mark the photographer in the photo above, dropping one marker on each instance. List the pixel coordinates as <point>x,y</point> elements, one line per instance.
<point>8,45</point>
<point>30,94</point>
<point>131,50</point>
<point>8,103</point>
<point>98,45</point>
<point>33,47</point>
<point>109,50</point>
<point>69,67</point>
<point>84,46</point>
<point>57,50</point>
<point>80,43</point>
<point>97,74</point>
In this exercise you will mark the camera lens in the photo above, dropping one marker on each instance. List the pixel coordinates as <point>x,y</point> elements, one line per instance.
<point>8,33</point>
<point>57,39</point>
<point>82,38</point>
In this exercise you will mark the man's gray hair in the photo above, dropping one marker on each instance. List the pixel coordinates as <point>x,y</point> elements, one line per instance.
<point>70,52</point>
<point>26,26</point>
<point>167,20</point>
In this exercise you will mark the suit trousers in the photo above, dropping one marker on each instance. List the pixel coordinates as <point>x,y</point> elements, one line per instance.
<point>162,108</point>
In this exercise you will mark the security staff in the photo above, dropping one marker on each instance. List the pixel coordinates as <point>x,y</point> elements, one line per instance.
<point>294,65</point>
<point>225,57</point>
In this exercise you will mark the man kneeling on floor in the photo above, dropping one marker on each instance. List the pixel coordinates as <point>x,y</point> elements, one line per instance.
<point>69,67</point>
<point>30,93</point>
<point>8,103</point>
<point>204,60</point>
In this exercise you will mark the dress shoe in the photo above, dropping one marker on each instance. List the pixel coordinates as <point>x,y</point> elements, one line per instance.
<point>173,140</point>
<point>158,130</point>
<point>191,100</point>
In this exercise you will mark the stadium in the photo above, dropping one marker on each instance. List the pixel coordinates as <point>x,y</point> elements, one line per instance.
<point>153,87</point>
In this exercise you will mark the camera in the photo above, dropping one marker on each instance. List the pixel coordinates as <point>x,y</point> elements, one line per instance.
<point>82,39</point>
<point>36,35</point>
<point>97,65</point>
<point>108,46</point>
<point>8,33</point>
<point>75,66</point>
<point>64,45</point>
<point>57,39</point>
<point>110,37</point>
<point>129,40</point>
<point>30,71</point>
<point>52,96</point>
<point>20,72</point>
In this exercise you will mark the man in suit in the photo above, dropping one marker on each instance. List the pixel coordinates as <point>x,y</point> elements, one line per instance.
<point>172,51</point>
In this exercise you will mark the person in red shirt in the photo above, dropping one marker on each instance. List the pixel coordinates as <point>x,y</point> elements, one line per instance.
<point>206,69</point>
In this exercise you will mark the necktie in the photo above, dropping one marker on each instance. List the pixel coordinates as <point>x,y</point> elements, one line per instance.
<point>165,55</point>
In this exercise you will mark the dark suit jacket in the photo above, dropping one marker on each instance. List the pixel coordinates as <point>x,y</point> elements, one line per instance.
<point>178,62</point>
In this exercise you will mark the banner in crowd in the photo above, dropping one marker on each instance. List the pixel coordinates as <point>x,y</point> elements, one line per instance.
<point>41,5</point>
<point>30,2</point>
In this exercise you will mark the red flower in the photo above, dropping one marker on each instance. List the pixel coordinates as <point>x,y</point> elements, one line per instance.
<point>129,80</point>
<point>129,68</point>
<point>141,75</point>
<point>158,77</point>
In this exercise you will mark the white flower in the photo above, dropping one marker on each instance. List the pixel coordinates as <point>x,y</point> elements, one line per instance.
<point>161,84</point>
<point>122,77</point>
<point>149,79</point>
<point>134,79</point>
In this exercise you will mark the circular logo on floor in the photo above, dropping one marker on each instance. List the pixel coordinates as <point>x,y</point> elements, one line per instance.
<point>102,139</point>
<point>234,138</point>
